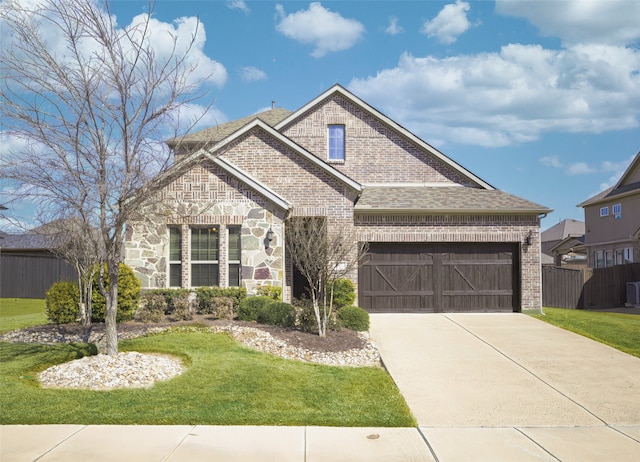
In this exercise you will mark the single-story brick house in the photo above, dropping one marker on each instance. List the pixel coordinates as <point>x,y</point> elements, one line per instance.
<point>439,237</point>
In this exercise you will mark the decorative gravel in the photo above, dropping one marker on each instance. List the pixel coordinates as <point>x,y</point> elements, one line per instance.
<point>136,370</point>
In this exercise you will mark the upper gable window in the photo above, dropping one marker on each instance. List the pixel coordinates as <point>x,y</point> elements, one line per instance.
<point>604,211</point>
<point>336,142</point>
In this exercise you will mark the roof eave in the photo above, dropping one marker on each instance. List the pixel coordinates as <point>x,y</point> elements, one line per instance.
<point>423,211</point>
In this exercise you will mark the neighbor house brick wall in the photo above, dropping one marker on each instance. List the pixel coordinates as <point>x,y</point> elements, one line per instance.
<point>374,152</point>
<point>465,228</point>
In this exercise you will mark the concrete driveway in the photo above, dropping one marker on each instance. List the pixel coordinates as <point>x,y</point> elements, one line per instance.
<point>526,386</point>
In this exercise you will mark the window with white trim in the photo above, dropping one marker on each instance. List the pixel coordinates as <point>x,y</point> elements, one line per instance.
<point>336,142</point>
<point>628,255</point>
<point>598,257</point>
<point>204,256</point>
<point>608,258</point>
<point>619,257</point>
<point>175,256</point>
<point>604,211</point>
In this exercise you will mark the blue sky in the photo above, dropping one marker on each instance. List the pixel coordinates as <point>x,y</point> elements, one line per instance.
<point>539,98</point>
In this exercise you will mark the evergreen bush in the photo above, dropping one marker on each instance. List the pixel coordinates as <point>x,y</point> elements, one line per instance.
<point>354,318</point>
<point>128,295</point>
<point>274,292</point>
<point>62,302</point>
<point>250,307</point>
<point>277,314</point>
<point>344,293</point>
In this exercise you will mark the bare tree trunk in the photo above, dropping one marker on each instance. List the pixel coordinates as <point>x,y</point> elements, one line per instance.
<point>111,308</point>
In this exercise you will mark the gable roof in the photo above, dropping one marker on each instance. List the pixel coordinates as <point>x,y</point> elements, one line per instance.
<point>443,199</point>
<point>339,89</point>
<point>219,132</point>
<point>565,228</point>
<point>621,189</point>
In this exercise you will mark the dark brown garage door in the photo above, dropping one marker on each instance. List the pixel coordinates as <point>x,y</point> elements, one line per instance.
<point>431,278</point>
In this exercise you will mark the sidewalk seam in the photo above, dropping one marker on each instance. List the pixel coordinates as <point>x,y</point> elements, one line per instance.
<point>56,445</point>
<point>426,441</point>
<point>168,456</point>
<point>525,369</point>
<point>536,443</point>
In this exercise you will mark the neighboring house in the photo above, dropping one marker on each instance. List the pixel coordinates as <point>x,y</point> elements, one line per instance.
<point>28,267</point>
<point>612,220</point>
<point>440,238</point>
<point>563,244</point>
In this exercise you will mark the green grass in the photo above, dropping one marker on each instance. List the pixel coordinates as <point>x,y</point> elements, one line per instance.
<point>621,331</point>
<point>225,384</point>
<point>16,313</point>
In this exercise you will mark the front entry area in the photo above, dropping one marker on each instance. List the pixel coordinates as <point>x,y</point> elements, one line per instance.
<point>442,277</point>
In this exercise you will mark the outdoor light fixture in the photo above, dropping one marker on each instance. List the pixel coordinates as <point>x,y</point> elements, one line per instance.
<point>529,239</point>
<point>270,235</point>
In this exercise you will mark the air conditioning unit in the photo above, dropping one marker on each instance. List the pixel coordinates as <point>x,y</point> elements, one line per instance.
<point>633,294</point>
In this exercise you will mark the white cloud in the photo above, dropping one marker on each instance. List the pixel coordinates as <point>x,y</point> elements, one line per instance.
<point>612,22</point>
<point>450,22</point>
<point>583,168</point>
<point>393,28</point>
<point>325,30</point>
<point>252,74</point>
<point>511,96</point>
<point>238,5</point>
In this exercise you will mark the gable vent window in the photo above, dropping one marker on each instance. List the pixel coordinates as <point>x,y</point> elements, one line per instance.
<point>604,211</point>
<point>336,142</point>
<point>204,256</point>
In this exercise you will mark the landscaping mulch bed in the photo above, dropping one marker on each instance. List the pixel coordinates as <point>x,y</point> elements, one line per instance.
<point>335,341</point>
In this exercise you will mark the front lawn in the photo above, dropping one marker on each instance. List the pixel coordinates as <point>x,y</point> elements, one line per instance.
<point>225,384</point>
<point>16,313</point>
<point>621,331</point>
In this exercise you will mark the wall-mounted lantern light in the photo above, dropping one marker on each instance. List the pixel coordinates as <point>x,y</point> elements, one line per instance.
<point>270,235</point>
<point>529,238</point>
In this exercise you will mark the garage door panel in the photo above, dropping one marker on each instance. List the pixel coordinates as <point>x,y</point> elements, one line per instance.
<point>440,277</point>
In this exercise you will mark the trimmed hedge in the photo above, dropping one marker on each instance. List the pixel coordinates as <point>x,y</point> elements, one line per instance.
<point>274,292</point>
<point>354,318</point>
<point>251,307</point>
<point>277,314</point>
<point>62,302</point>
<point>152,308</point>
<point>205,297</point>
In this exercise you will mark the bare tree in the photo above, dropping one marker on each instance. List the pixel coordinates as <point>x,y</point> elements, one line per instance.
<point>322,255</point>
<point>90,115</point>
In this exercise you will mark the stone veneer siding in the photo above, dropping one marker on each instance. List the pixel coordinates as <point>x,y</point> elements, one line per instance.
<point>206,196</point>
<point>465,228</point>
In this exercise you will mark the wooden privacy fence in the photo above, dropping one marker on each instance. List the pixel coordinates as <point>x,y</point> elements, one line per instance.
<point>607,287</point>
<point>561,287</point>
<point>30,276</point>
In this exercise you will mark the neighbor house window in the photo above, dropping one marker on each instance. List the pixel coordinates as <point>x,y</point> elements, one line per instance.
<point>619,257</point>
<point>599,258</point>
<point>617,210</point>
<point>234,256</point>
<point>204,256</point>
<point>604,211</point>
<point>628,255</point>
<point>336,142</point>
<point>608,258</point>
<point>175,257</point>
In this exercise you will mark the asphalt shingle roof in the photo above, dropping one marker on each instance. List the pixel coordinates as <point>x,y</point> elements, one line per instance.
<point>444,199</point>
<point>219,132</point>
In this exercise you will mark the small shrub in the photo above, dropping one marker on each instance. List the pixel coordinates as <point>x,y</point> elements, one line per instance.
<point>183,309</point>
<point>205,296</point>
<point>128,296</point>
<point>223,308</point>
<point>277,314</point>
<point>152,308</point>
<point>250,307</point>
<point>62,300</point>
<point>344,293</point>
<point>273,292</point>
<point>354,318</point>
<point>306,317</point>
